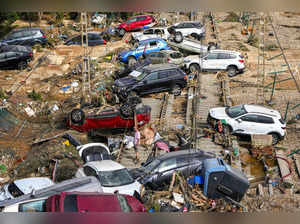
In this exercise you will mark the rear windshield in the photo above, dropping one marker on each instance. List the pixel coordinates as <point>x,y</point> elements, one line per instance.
<point>115,178</point>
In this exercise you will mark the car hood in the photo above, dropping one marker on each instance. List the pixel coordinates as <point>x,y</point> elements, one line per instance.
<point>126,81</point>
<point>136,173</point>
<point>218,113</point>
<point>125,189</point>
<point>124,53</point>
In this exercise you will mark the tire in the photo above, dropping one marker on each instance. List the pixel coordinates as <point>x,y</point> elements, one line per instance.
<point>122,32</point>
<point>126,110</point>
<point>131,61</point>
<point>275,138</point>
<point>194,68</point>
<point>232,71</point>
<point>176,90</point>
<point>212,46</point>
<point>178,37</point>
<point>196,36</point>
<point>77,116</point>
<point>22,65</point>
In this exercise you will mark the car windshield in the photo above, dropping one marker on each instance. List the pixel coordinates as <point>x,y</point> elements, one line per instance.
<point>139,74</point>
<point>235,111</point>
<point>115,178</point>
<point>14,190</point>
<point>150,166</point>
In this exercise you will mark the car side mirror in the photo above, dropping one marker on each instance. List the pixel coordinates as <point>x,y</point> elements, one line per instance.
<point>239,120</point>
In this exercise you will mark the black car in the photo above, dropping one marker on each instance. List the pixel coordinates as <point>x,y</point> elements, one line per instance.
<point>159,171</point>
<point>94,39</point>
<point>151,79</point>
<point>15,48</point>
<point>26,37</point>
<point>15,59</point>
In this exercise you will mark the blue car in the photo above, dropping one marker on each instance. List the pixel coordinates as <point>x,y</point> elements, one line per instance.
<point>144,47</point>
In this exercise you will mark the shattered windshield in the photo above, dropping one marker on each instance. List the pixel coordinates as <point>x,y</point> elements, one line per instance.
<point>14,190</point>
<point>150,166</point>
<point>235,111</point>
<point>115,178</point>
<point>7,120</point>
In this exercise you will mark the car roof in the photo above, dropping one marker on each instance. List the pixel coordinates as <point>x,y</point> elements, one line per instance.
<point>251,108</point>
<point>105,165</point>
<point>140,16</point>
<point>28,184</point>
<point>151,39</point>
<point>26,29</point>
<point>159,67</point>
<point>181,153</point>
<point>224,51</point>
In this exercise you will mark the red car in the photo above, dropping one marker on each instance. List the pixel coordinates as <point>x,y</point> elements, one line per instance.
<point>93,202</point>
<point>135,23</point>
<point>115,118</point>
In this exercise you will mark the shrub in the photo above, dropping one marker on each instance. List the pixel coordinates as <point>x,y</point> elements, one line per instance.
<point>35,96</point>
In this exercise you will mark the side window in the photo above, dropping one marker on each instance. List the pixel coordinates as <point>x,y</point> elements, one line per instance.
<point>142,18</point>
<point>153,44</point>
<point>159,32</point>
<point>35,206</point>
<point>132,20</point>
<point>11,54</point>
<point>167,165</point>
<point>149,31</point>
<point>212,56</point>
<point>179,26</point>
<point>223,56</point>
<point>89,171</point>
<point>2,56</point>
<point>93,36</point>
<point>152,76</point>
<point>26,34</point>
<point>77,39</point>
<point>265,120</point>
<point>183,161</point>
<point>188,25</point>
<point>163,74</point>
<point>175,55</point>
<point>250,118</point>
<point>18,35</point>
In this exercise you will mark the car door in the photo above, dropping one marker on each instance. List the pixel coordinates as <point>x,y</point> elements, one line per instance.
<point>246,124</point>
<point>12,39</point>
<point>265,125</point>
<point>210,61</point>
<point>152,46</point>
<point>3,62</point>
<point>92,39</point>
<point>165,171</point>
<point>133,23</point>
<point>223,59</point>
<point>151,83</point>
<point>164,80</point>
<point>12,59</point>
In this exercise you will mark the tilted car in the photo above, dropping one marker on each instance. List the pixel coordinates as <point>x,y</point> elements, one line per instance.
<point>136,23</point>
<point>94,39</point>
<point>193,28</point>
<point>151,79</point>
<point>144,47</point>
<point>20,187</point>
<point>215,60</point>
<point>159,171</point>
<point>26,37</point>
<point>155,32</point>
<point>248,119</point>
<point>112,119</point>
<point>113,177</point>
<point>15,57</point>
<point>166,56</point>
<point>93,202</point>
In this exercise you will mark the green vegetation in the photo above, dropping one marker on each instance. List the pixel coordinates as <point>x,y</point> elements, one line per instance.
<point>232,17</point>
<point>35,96</point>
<point>2,94</point>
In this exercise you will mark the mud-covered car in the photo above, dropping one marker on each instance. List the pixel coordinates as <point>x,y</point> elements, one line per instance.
<point>113,118</point>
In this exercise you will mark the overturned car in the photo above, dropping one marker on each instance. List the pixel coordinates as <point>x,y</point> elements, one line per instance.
<point>111,118</point>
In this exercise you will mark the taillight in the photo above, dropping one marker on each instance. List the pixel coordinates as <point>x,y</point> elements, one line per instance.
<point>44,35</point>
<point>169,59</point>
<point>283,128</point>
<point>104,41</point>
<point>241,61</point>
<point>30,54</point>
<point>186,77</point>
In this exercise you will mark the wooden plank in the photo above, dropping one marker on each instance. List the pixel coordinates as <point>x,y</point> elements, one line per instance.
<point>190,97</point>
<point>283,166</point>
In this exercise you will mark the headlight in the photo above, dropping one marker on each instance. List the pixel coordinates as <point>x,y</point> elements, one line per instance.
<point>186,60</point>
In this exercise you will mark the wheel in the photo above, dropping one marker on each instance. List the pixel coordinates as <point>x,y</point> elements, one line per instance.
<point>131,61</point>
<point>196,36</point>
<point>232,71</point>
<point>126,110</point>
<point>176,90</point>
<point>77,116</point>
<point>22,65</point>
<point>212,46</point>
<point>194,68</point>
<point>122,32</point>
<point>275,138</point>
<point>178,37</point>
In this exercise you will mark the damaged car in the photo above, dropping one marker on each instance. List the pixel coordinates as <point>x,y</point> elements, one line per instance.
<point>158,172</point>
<point>136,23</point>
<point>110,119</point>
<point>151,79</point>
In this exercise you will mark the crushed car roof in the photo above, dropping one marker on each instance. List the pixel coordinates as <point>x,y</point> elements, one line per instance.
<point>105,165</point>
<point>28,184</point>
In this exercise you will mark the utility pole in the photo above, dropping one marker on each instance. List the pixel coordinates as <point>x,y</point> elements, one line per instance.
<point>86,76</point>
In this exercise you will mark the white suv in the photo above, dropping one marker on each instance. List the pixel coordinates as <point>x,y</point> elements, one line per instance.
<point>215,60</point>
<point>155,32</point>
<point>250,119</point>
<point>193,28</point>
